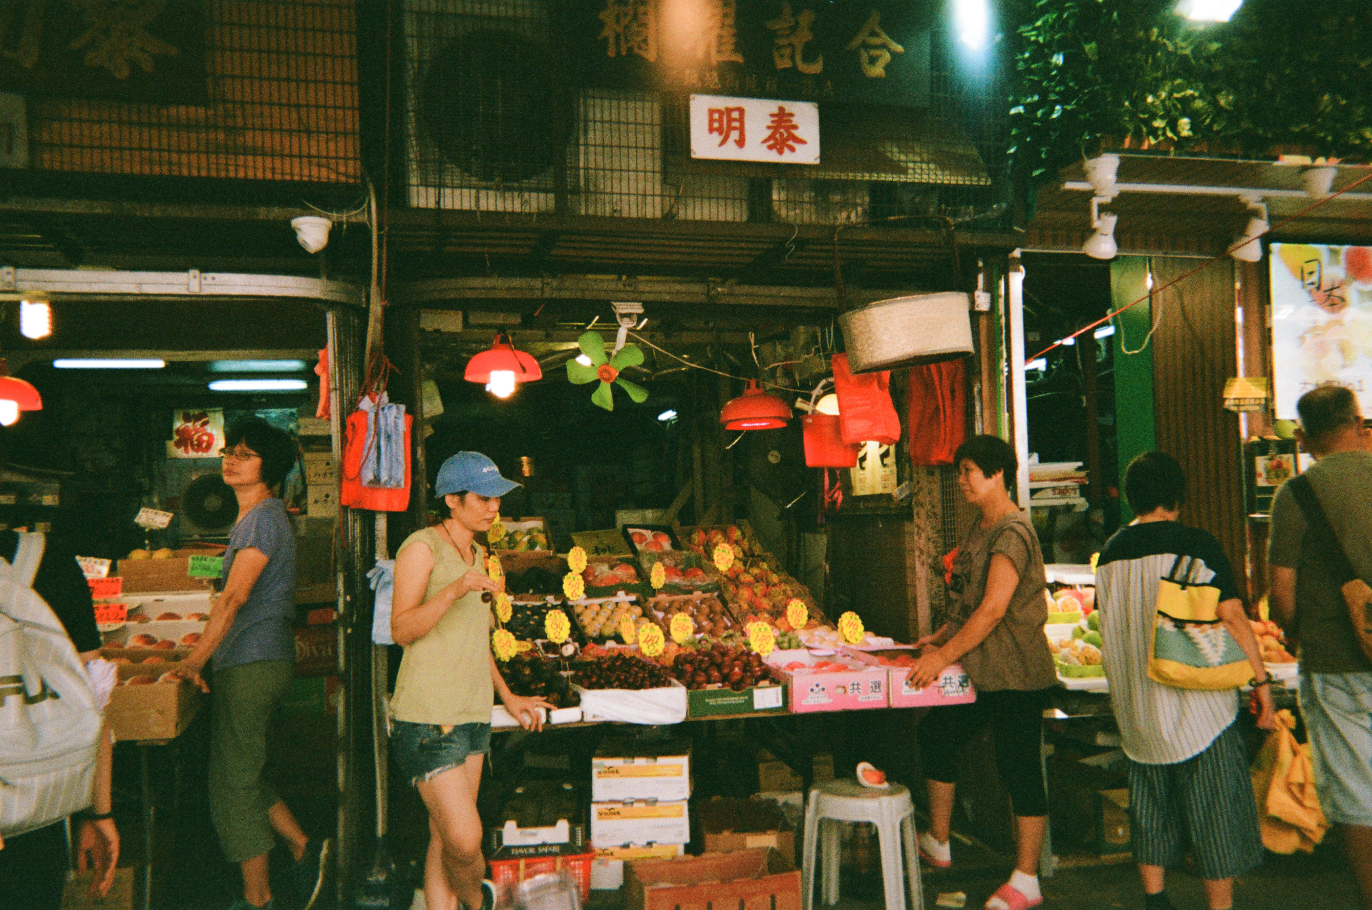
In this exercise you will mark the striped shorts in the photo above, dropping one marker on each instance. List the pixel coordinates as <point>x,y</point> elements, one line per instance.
<point>1204,804</point>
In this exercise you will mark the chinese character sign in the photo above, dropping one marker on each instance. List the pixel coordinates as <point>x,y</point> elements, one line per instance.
<point>754,129</point>
<point>196,433</point>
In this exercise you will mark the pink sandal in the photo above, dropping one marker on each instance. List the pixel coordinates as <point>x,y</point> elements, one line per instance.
<point>927,857</point>
<point>1013,898</point>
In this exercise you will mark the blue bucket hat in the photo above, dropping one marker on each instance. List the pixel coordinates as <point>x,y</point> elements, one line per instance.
<point>471,472</point>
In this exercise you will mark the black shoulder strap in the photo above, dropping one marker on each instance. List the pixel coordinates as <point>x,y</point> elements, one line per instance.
<point>1317,523</point>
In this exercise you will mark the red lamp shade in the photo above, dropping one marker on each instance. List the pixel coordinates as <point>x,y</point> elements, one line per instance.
<point>21,393</point>
<point>755,410</point>
<point>502,357</point>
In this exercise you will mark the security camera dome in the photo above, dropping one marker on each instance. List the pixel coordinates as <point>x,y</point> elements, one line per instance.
<point>312,231</point>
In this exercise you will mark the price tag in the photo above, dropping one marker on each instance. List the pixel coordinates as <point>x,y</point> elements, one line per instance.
<point>683,627</point>
<point>658,576</point>
<point>556,626</point>
<point>92,567</point>
<point>850,627</point>
<point>504,607</point>
<point>628,631</point>
<point>760,638</point>
<point>493,568</point>
<point>797,614</point>
<point>504,644</point>
<point>152,518</point>
<point>651,641</point>
<point>111,613</point>
<point>724,557</point>
<point>573,586</point>
<point>576,560</point>
<point>205,567</point>
<point>765,697</point>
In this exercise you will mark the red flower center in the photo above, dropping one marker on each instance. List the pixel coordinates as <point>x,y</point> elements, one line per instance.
<point>607,373</point>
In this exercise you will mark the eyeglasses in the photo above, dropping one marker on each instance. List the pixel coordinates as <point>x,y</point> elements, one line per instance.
<point>237,454</point>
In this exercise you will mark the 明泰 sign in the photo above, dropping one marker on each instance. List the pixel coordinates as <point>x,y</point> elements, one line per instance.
<point>724,128</point>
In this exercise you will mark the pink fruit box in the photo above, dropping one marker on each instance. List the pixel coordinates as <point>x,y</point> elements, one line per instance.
<point>856,687</point>
<point>952,688</point>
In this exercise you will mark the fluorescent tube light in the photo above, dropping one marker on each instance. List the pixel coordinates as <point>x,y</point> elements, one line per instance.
<point>256,366</point>
<point>667,415</point>
<point>1104,331</point>
<point>1039,364</point>
<point>83,364</point>
<point>258,385</point>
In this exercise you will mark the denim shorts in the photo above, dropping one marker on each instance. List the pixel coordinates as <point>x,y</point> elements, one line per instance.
<point>422,751</point>
<point>1337,709</point>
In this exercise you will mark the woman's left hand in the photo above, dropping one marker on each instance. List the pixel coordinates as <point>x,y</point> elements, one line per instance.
<point>525,710</point>
<point>926,670</point>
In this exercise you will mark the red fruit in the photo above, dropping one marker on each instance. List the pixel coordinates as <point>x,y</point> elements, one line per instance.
<point>653,546</point>
<point>1357,263</point>
<point>165,644</point>
<point>143,640</point>
<point>190,638</point>
<point>198,617</point>
<point>168,616</point>
<point>639,537</point>
<point>662,537</point>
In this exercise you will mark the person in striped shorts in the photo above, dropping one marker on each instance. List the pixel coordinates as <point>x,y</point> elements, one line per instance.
<point>1188,767</point>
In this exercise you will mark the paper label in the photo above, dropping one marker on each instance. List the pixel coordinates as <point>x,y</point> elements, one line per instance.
<point>576,560</point>
<point>760,638</point>
<point>628,632</point>
<point>767,697</point>
<point>205,567</point>
<point>557,626</point>
<point>850,627</point>
<point>109,613</point>
<point>723,557</point>
<point>797,614</point>
<point>93,567</point>
<point>504,607</point>
<point>658,576</point>
<point>504,644</point>
<point>651,641</point>
<point>683,628</point>
<point>573,586</point>
<point>493,568</point>
<point>152,518</point>
<point>497,531</point>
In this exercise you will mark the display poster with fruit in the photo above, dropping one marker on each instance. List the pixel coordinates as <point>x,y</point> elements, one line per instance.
<point>850,627</point>
<point>1274,470</point>
<point>760,638</point>
<point>628,632</point>
<point>651,641</point>
<point>504,607</point>
<point>723,557</point>
<point>493,568</point>
<point>557,626</point>
<point>573,586</point>
<point>196,433</point>
<point>797,614</point>
<point>683,628</point>
<point>576,560</point>
<point>504,644</point>
<point>1321,321</point>
<point>658,576</point>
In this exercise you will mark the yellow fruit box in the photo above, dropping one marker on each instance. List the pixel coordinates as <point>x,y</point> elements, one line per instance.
<point>164,571</point>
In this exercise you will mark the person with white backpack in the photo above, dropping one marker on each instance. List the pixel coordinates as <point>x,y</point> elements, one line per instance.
<point>55,752</point>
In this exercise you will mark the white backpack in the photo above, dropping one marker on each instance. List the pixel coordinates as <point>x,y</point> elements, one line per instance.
<point>49,719</point>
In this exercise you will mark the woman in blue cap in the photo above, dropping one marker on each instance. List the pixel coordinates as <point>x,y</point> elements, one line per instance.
<point>448,677</point>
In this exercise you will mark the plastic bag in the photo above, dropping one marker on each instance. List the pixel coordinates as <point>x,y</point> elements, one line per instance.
<point>358,494</point>
<point>938,411</point>
<point>382,578</point>
<point>865,410</point>
<point>1284,782</point>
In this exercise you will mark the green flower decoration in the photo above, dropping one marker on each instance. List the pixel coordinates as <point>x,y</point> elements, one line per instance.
<point>606,370</point>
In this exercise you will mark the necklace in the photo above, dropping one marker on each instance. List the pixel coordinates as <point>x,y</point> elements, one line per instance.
<point>452,542</point>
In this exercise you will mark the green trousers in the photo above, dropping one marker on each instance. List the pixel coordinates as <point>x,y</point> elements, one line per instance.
<point>243,699</point>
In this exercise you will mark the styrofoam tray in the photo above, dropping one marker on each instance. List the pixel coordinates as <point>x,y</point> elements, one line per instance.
<point>1085,683</point>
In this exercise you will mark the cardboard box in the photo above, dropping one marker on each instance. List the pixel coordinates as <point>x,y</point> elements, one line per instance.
<point>151,576</point>
<point>607,870</point>
<point>744,878</point>
<point>540,819</point>
<point>639,823</point>
<point>821,766</point>
<point>625,768</point>
<point>744,824</point>
<point>171,635</point>
<point>752,700</point>
<point>151,713</point>
<point>323,501</point>
<point>953,687</point>
<point>321,469</point>
<point>774,774</point>
<point>316,650</point>
<point>77,893</point>
<point>859,686</point>
<point>507,873</point>
<point>791,803</point>
<point>602,543</point>
<point>1111,821</point>
<point>194,605</point>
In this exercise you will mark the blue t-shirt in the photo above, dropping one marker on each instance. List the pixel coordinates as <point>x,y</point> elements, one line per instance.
<point>262,628</point>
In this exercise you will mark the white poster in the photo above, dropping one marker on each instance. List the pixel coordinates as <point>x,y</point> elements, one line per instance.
<point>1321,321</point>
<point>754,129</point>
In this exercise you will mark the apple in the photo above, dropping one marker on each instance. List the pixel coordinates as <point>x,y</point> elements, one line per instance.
<point>143,640</point>
<point>163,617</point>
<point>199,617</point>
<point>165,644</point>
<point>190,638</point>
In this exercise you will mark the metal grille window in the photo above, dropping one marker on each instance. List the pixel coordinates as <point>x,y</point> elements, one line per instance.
<point>279,103</point>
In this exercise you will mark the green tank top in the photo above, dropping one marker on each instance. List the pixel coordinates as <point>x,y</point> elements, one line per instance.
<point>445,677</point>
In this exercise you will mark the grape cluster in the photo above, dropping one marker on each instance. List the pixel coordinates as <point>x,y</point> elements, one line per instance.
<point>720,665</point>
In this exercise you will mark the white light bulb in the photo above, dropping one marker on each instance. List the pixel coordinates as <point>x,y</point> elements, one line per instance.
<point>973,22</point>
<point>9,412</point>
<point>502,384</point>
<point>35,319</point>
<point>583,360</point>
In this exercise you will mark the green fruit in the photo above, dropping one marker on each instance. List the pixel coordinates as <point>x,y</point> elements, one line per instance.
<point>1093,620</point>
<point>1078,632</point>
<point>1093,638</point>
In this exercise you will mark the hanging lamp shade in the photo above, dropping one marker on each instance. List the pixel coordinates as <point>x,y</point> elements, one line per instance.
<point>502,367</point>
<point>755,410</point>
<point>16,395</point>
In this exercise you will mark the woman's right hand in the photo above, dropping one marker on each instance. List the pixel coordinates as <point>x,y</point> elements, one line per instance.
<point>475,580</point>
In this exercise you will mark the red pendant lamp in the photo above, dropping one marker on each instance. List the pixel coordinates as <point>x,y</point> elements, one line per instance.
<point>502,368</point>
<point>755,409</point>
<point>16,395</point>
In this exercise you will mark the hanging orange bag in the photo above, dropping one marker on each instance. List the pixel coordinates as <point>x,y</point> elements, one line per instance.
<point>374,433</point>
<point>865,410</point>
<point>938,411</point>
<point>824,445</point>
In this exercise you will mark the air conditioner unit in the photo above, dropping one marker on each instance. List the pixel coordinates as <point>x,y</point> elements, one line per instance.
<point>478,128</point>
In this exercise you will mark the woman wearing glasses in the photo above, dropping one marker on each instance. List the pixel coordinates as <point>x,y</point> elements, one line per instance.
<point>249,639</point>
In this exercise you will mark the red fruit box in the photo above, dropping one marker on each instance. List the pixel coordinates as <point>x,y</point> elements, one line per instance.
<point>506,873</point>
<point>822,681</point>
<point>952,688</point>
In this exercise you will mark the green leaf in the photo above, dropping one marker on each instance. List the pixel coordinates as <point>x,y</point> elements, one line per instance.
<point>637,393</point>
<point>581,374</point>
<point>593,346</point>
<point>603,397</point>
<point>631,355</point>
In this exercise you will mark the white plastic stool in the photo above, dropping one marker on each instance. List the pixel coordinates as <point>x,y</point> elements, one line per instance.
<point>893,815</point>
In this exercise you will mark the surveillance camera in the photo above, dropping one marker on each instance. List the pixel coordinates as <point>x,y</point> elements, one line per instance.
<point>312,231</point>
